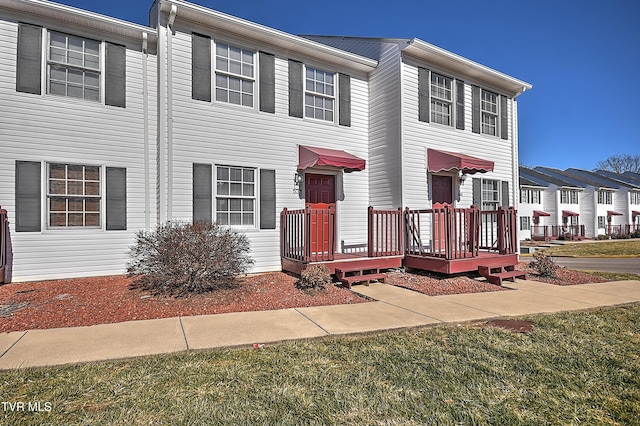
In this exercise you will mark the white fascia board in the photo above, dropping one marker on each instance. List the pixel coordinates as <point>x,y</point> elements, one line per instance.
<point>288,42</point>
<point>74,16</point>
<point>465,67</point>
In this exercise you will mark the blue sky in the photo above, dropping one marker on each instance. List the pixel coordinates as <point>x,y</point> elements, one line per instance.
<point>582,57</point>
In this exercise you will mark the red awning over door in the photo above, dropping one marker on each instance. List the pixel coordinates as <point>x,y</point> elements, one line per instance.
<point>310,156</point>
<point>444,161</point>
<point>538,213</point>
<point>613,213</point>
<point>567,213</point>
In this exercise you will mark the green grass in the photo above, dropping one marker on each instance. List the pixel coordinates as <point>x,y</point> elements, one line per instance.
<point>614,276</point>
<point>622,248</point>
<point>573,368</point>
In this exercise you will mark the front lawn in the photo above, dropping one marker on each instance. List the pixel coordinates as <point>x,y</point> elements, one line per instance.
<point>622,248</point>
<point>573,368</point>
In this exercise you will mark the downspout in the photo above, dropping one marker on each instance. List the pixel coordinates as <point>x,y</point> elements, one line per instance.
<point>401,130</point>
<point>170,21</point>
<point>145,117</point>
<point>161,122</point>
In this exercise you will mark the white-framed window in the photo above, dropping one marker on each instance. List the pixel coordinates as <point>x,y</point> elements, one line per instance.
<point>530,196</point>
<point>634,197</point>
<point>602,222</point>
<point>73,66</point>
<point>569,196</point>
<point>73,195</point>
<point>319,95</point>
<point>235,75</point>
<point>441,99</point>
<point>236,195</point>
<point>489,113</point>
<point>490,194</point>
<point>604,197</point>
<point>525,223</point>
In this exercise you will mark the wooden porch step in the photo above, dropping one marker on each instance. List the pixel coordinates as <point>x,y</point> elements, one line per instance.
<point>351,276</point>
<point>495,275</point>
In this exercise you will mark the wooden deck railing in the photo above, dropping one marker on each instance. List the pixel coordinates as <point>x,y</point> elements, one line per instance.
<point>4,243</point>
<point>567,231</point>
<point>498,230</point>
<point>308,234</point>
<point>384,232</point>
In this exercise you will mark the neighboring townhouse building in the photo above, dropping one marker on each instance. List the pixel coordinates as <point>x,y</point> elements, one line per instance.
<point>77,137</point>
<point>531,207</point>
<point>631,209</point>
<point>562,200</point>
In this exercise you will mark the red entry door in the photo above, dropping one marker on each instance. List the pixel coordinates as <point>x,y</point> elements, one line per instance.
<point>442,190</point>
<point>320,195</point>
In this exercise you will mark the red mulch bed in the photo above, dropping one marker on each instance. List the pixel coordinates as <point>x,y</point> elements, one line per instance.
<point>103,300</point>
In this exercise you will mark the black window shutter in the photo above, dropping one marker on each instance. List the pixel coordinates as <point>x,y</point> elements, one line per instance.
<point>296,92</point>
<point>475,109</point>
<point>116,75</point>
<point>459,105</point>
<point>200,67</point>
<point>423,94</point>
<point>477,192</point>
<point>504,124</point>
<point>28,198</point>
<point>267,83</point>
<point>202,193</point>
<point>267,199</point>
<point>116,198</point>
<point>344,98</point>
<point>505,194</point>
<point>29,68</point>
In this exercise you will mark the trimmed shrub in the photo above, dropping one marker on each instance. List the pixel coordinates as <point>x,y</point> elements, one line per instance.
<point>314,277</point>
<point>188,258</point>
<point>543,264</point>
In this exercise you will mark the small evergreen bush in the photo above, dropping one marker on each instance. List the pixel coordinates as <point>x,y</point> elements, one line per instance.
<point>314,277</point>
<point>187,258</point>
<point>543,264</point>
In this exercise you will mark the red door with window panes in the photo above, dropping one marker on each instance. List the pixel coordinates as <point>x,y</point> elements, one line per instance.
<point>320,195</point>
<point>442,190</point>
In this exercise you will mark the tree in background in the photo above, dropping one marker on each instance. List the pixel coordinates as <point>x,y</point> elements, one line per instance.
<point>620,164</point>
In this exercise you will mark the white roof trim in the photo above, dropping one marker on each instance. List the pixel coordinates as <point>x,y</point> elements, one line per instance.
<point>286,41</point>
<point>71,15</point>
<point>466,67</point>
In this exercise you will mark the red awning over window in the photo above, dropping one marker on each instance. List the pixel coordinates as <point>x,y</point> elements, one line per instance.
<point>309,156</point>
<point>567,213</point>
<point>613,213</point>
<point>444,161</point>
<point>538,213</point>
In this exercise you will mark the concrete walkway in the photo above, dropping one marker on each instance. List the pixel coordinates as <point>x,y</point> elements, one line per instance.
<point>394,308</point>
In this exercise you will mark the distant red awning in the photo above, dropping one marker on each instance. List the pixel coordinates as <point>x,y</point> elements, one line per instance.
<point>538,213</point>
<point>635,213</point>
<point>309,156</point>
<point>444,161</point>
<point>613,213</point>
<point>567,213</point>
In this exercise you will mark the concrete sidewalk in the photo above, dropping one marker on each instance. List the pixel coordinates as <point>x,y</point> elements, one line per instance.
<point>394,308</point>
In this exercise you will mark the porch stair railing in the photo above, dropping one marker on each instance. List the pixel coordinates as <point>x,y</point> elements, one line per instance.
<point>4,243</point>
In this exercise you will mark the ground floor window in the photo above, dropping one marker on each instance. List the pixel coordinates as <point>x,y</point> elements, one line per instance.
<point>235,195</point>
<point>525,223</point>
<point>602,222</point>
<point>73,195</point>
<point>490,194</point>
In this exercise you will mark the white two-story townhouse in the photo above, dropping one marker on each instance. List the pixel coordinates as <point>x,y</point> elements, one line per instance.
<point>254,120</point>
<point>614,207</point>
<point>77,138</point>
<point>531,213</point>
<point>562,200</point>
<point>634,194</point>
<point>436,118</point>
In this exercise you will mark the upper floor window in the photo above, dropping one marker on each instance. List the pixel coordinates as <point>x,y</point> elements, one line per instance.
<point>489,113</point>
<point>73,195</point>
<point>530,196</point>
<point>74,66</point>
<point>235,75</point>
<point>319,94</point>
<point>604,197</point>
<point>634,197</point>
<point>441,99</point>
<point>568,196</point>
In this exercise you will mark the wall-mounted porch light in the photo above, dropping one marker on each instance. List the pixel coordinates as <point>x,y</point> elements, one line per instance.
<point>297,182</point>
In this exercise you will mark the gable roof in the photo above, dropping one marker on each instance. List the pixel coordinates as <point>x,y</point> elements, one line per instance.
<point>545,179</point>
<point>604,181</point>
<point>251,30</point>
<point>572,179</point>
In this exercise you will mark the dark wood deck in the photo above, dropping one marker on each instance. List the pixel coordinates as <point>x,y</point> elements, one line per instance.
<point>456,266</point>
<point>346,262</point>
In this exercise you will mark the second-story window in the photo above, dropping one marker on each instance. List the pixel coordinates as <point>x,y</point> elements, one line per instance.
<point>319,94</point>
<point>489,113</point>
<point>74,66</point>
<point>604,197</point>
<point>568,196</point>
<point>235,75</point>
<point>441,99</point>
